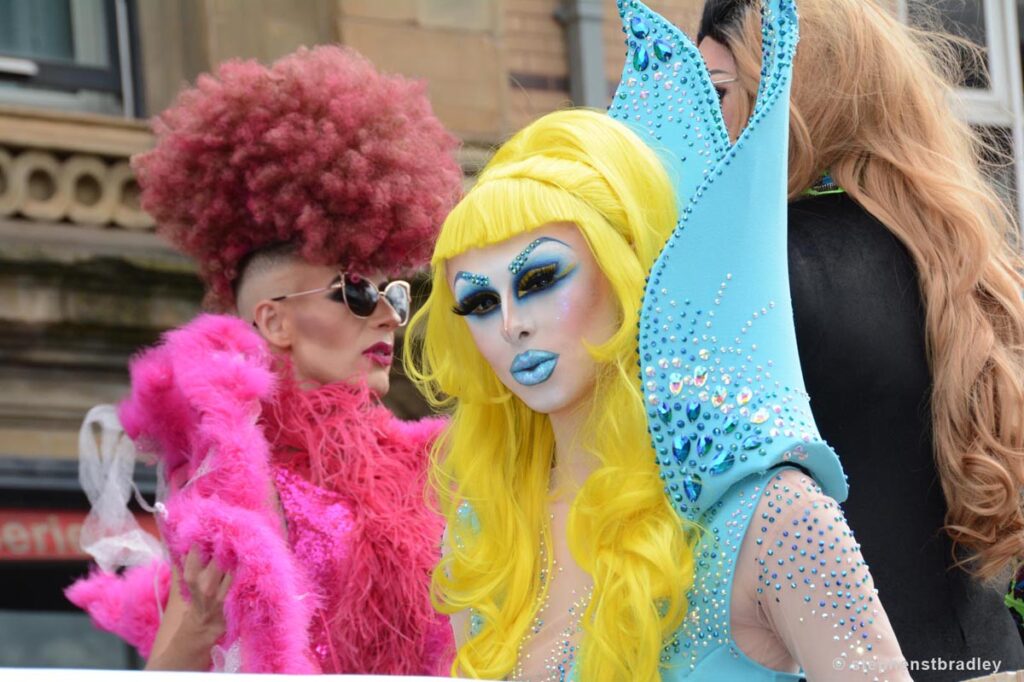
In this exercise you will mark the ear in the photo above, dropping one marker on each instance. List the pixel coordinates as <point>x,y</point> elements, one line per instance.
<point>271,321</point>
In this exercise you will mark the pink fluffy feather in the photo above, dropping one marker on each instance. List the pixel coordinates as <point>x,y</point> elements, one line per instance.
<point>197,397</point>
<point>127,605</point>
<point>379,613</point>
<point>206,401</point>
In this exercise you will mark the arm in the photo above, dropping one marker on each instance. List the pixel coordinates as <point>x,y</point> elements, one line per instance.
<point>802,575</point>
<point>189,629</point>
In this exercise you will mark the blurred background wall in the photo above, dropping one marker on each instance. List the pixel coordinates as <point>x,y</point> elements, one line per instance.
<point>85,282</point>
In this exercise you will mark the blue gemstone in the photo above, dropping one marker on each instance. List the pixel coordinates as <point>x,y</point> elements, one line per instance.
<point>790,15</point>
<point>663,49</point>
<point>639,27</point>
<point>467,515</point>
<point>693,410</point>
<point>681,448</point>
<point>703,445</point>
<point>751,443</point>
<point>665,412</point>
<point>692,486</point>
<point>722,463</point>
<point>731,423</point>
<point>640,59</point>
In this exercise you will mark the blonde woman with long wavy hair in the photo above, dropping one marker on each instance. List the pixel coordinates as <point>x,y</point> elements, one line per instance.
<point>906,287</point>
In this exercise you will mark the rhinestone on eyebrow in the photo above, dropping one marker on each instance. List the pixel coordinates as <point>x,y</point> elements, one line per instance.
<point>516,265</point>
<point>479,280</point>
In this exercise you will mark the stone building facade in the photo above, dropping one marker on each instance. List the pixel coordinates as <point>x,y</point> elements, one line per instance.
<point>84,281</point>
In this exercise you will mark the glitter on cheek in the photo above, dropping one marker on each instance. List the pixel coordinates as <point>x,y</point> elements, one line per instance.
<point>568,310</point>
<point>577,312</point>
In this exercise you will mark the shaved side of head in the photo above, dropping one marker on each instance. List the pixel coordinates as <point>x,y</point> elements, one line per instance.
<point>264,275</point>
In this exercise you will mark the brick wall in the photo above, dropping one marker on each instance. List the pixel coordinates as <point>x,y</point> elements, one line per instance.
<point>453,44</point>
<point>535,47</point>
<point>538,69</point>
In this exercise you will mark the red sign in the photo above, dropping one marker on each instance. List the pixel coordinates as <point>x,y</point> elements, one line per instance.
<point>40,535</point>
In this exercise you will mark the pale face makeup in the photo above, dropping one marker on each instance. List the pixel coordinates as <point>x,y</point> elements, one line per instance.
<point>722,69</point>
<point>327,343</point>
<point>530,302</point>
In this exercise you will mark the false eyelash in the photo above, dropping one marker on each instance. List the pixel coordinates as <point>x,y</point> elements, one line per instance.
<point>556,270</point>
<point>468,305</point>
<point>533,274</point>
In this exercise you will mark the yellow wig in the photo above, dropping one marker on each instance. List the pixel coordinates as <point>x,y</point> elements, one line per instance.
<point>496,456</point>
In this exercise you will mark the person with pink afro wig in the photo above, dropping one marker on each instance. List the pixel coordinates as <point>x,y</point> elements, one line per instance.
<point>299,536</point>
<point>319,149</point>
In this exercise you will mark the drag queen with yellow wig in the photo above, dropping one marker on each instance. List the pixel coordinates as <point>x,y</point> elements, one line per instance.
<point>627,506</point>
<point>545,261</point>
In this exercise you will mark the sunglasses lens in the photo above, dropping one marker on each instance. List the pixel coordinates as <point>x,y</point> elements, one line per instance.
<point>361,295</point>
<point>398,297</point>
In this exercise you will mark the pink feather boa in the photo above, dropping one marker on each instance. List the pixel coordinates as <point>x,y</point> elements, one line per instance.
<point>378,613</point>
<point>206,401</point>
<point>128,604</point>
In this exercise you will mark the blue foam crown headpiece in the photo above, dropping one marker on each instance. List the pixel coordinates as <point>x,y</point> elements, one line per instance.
<point>719,364</point>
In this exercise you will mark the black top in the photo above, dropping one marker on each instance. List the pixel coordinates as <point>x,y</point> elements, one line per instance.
<point>861,333</point>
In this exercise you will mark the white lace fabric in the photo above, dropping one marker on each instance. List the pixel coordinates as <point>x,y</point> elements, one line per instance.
<point>110,533</point>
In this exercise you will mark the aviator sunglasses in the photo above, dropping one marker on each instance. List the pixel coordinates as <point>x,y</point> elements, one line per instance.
<point>362,296</point>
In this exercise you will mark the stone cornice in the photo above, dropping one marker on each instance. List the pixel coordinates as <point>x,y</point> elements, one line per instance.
<point>106,136</point>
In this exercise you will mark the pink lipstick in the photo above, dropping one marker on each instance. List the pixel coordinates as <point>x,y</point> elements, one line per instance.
<point>380,354</point>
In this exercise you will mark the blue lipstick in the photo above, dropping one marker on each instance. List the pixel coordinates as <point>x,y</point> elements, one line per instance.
<point>533,367</point>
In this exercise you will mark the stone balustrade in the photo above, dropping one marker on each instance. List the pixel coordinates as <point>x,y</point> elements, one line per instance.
<point>85,189</point>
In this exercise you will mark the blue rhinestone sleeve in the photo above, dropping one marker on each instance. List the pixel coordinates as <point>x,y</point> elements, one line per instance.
<point>811,588</point>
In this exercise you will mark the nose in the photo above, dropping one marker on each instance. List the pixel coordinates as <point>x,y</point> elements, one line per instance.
<point>516,326</point>
<point>384,315</point>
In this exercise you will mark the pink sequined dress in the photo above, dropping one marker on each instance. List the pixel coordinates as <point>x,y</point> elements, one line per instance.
<point>316,520</point>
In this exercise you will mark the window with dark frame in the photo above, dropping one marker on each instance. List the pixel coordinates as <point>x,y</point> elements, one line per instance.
<point>70,54</point>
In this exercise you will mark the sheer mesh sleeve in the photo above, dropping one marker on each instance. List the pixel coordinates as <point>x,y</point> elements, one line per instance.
<point>803,595</point>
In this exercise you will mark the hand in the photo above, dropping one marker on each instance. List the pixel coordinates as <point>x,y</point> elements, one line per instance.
<point>208,587</point>
<point>189,630</point>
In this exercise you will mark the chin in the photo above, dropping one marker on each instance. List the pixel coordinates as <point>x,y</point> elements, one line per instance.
<point>379,383</point>
<point>554,402</point>
<point>544,404</point>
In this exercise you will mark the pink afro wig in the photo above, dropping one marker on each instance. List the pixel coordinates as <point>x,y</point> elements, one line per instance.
<point>319,150</point>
